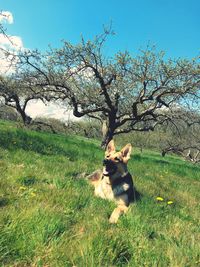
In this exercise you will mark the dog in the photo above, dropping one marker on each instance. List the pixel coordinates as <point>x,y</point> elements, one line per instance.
<point>114,182</point>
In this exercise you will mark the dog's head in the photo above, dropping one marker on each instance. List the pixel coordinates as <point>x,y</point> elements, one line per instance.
<point>115,163</point>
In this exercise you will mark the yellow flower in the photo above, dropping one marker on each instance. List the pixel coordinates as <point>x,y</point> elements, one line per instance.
<point>22,188</point>
<point>33,194</point>
<point>170,202</point>
<point>159,199</point>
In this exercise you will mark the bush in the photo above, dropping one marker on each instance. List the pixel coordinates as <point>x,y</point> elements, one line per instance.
<point>8,113</point>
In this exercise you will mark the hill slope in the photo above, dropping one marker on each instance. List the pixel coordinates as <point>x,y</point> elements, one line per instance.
<point>49,216</point>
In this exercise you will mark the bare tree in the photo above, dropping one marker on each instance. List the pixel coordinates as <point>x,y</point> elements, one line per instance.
<point>182,137</point>
<point>125,93</point>
<point>13,92</point>
<point>16,93</point>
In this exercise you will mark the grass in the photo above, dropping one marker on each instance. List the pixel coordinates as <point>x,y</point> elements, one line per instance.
<point>49,216</point>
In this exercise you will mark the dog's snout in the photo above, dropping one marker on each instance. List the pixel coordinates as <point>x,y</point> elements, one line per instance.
<point>105,162</point>
<point>108,163</point>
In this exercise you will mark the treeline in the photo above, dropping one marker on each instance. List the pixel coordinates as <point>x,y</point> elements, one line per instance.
<point>181,138</point>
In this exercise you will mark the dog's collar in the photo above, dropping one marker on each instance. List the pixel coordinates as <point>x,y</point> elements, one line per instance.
<point>119,176</point>
<point>116,178</point>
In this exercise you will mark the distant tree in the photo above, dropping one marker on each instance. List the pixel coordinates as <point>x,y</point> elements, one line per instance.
<point>16,93</point>
<point>13,92</point>
<point>124,93</point>
<point>183,137</point>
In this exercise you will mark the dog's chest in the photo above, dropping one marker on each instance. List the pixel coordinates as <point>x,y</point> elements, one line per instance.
<point>104,189</point>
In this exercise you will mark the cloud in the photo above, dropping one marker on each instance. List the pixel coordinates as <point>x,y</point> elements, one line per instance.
<point>8,43</point>
<point>6,17</point>
<point>37,108</point>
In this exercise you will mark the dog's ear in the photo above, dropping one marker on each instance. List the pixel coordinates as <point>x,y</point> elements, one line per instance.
<point>110,147</point>
<point>126,152</point>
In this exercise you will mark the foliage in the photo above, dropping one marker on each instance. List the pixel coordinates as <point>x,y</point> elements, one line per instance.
<point>45,124</point>
<point>123,92</point>
<point>17,94</point>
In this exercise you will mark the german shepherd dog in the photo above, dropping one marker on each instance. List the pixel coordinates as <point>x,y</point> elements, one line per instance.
<point>114,182</point>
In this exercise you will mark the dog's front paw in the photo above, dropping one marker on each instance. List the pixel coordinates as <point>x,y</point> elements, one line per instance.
<point>113,219</point>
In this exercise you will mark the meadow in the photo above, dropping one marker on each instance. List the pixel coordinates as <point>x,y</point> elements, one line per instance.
<point>49,216</point>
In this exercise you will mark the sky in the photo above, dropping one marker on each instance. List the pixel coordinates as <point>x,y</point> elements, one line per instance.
<point>171,25</point>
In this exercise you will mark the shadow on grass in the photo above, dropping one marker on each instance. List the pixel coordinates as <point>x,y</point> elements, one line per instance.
<point>22,140</point>
<point>137,196</point>
<point>3,202</point>
<point>28,180</point>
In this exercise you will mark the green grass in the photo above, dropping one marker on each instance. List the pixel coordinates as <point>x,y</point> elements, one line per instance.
<point>49,216</point>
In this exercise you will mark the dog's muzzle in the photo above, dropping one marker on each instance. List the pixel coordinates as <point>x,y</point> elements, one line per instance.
<point>110,167</point>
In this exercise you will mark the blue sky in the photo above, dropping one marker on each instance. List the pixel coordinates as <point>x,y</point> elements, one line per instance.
<point>173,25</point>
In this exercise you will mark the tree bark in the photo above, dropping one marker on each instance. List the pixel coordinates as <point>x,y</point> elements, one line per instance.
<point>26,119</point>
<point>108,130</point>
<point>107,138</point>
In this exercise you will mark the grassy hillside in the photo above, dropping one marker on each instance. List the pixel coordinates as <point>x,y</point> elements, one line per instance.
<point>49,216</point>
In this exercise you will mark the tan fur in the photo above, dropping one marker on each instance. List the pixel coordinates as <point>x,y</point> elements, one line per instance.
<point>103,184</point>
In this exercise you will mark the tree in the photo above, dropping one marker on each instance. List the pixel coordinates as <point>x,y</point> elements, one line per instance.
<point>16,93</point>
<point>13,92</point>
<point>182,137</point>
<point>125,93</point>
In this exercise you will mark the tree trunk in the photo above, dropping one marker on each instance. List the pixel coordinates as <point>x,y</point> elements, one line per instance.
<point>26,119</point>
<point>107,134</point>
<point>108,129</point>
<point>21,110</point>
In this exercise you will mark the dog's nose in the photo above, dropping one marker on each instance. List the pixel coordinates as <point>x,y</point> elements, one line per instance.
<point>105,161</point>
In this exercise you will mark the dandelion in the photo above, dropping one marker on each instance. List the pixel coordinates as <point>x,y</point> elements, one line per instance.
<point>22,188</point>
<point>159,199</point>
<point>170,202</point>
<point>33,194</point>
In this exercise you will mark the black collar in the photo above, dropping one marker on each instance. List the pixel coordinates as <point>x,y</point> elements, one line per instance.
<point>118,180</point>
